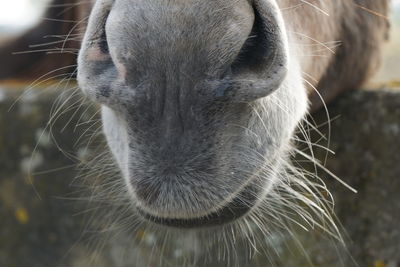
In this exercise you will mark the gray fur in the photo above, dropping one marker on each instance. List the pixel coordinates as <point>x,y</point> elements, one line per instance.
<point>193,128</point>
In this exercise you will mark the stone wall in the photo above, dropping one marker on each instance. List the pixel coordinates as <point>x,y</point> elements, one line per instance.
<point>43,215</point>
<point>366,140</point>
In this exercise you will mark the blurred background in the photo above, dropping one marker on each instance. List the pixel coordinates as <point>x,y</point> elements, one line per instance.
<point>43,220</point>
<point>17,16</point>
<point>390,70</point>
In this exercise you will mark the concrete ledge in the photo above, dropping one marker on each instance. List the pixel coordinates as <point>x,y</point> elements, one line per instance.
<point>366,139</point>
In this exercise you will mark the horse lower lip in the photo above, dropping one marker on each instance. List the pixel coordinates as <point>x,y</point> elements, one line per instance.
<point>235,209</point>
<point>223,216</point>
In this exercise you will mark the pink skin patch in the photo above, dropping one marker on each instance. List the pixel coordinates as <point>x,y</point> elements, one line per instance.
<point>94,54</point>
<point>121,70</point>
<point>120,67</point>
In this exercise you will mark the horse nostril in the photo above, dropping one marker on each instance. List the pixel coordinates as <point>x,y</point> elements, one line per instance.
<point>262,62</point>
<point>103,44</point>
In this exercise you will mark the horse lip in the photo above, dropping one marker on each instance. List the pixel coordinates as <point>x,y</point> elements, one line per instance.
<point>238,207</point>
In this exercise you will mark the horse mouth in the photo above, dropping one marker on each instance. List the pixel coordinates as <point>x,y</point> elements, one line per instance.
<point>239,206</point>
